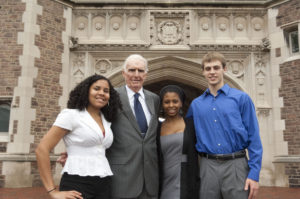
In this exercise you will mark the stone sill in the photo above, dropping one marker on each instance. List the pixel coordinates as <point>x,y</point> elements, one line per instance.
<point>287,159</point>
<point>22,157</point>
<point>251,2</point>
<point>4,137</point>
<point>292,58</point>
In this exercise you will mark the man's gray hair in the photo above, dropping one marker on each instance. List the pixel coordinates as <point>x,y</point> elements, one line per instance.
<point>138,57</point>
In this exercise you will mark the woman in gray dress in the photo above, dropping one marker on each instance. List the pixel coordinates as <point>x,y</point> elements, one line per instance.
<point>178,161</point>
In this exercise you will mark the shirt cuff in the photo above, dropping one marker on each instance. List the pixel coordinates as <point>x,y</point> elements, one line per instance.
<point>253,175</point>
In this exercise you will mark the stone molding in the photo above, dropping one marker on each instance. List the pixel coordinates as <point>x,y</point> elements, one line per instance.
<point>287,159</point>
<point>175,2</point>
<point>23,157</point>
<point>169,28</point>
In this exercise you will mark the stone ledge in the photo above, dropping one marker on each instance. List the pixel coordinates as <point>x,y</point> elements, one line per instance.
<point>250,2</point>
<point>22,157</point>
<point>287,159</point>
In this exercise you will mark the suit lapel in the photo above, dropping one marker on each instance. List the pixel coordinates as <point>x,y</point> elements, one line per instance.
<point>127,109</point>
<point>149,102</point>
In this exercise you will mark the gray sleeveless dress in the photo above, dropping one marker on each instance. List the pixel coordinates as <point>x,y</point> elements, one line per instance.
<point>171,147</point>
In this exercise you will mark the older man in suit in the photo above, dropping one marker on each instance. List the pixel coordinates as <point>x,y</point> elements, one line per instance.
<point>133,154</point>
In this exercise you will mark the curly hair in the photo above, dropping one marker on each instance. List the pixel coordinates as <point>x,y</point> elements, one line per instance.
<point>79,97</point>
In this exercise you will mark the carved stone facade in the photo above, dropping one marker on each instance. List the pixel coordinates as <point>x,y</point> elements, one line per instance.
<point>95,38</point>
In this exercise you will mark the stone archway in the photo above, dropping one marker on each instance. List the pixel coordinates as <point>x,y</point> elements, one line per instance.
<point>174,70</point>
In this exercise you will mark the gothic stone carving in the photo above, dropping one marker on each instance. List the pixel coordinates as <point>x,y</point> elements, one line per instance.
<point>98,26</point>
<point>260,75</point>
<point>78,67</point>
<point>236,68</point>
<point>169,28</point>
<point>169,32</point>
<point>102,66</point>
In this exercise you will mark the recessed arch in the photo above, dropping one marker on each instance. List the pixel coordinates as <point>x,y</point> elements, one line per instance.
<point>176,69</point>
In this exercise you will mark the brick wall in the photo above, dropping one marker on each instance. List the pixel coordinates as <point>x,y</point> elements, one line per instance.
<point>290,91</point>
<point>288,12</point>
<point>47,87</point>
<point>293,171</point>
<point>10,69</point>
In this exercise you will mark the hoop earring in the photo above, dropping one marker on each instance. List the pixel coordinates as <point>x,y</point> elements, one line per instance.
<point>161,113</point>
<point>181,112</point>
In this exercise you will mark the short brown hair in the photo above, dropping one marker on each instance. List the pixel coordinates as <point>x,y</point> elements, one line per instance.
<point>213,56</point>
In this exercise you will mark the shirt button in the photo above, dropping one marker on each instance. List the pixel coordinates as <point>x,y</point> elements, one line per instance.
<point>215,120</point>
<point>214,109</point>
<point>219,144</point>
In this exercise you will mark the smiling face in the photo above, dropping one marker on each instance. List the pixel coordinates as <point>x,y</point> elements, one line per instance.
<point>135,74</point>
<point>99,94</point>
<point>171,104</point>
<point>214,73</point>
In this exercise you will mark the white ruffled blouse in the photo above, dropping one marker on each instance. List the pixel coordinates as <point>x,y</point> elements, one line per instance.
<point>85,143</point>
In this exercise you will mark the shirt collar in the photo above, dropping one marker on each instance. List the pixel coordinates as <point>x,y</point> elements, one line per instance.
<point>224,89</point>
<point>131,92</point>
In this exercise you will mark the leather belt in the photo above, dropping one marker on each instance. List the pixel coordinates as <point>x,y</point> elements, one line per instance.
<point>229,156</point>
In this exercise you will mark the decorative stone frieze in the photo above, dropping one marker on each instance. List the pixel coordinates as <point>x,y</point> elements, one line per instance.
<point>169,28</point>
<point>214,26</point>
<point>224,47</point>
<point>109,26</point>
<point>106,47</point>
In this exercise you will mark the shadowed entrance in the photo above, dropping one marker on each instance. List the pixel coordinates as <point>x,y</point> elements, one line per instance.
<point>190,91</point>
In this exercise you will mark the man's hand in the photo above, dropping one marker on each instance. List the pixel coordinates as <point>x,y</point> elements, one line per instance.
<point>254,186</point>
<point>62,158</point>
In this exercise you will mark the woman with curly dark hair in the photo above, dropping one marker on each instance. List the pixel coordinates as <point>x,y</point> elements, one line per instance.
<point>85,129</point>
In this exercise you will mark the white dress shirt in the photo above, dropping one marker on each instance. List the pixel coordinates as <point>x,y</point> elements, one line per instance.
<point>130,94</point>
<point>85,143</point>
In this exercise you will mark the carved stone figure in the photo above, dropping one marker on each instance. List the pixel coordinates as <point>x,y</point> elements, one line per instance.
<point>98,26</point>
<point>102,66</point>
<point>81,26</point>
<point>222,26</point>
<point>116,26</point>
<point>169,32</point>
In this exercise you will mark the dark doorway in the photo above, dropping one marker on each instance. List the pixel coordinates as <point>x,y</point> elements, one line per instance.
<point>190,91</point>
